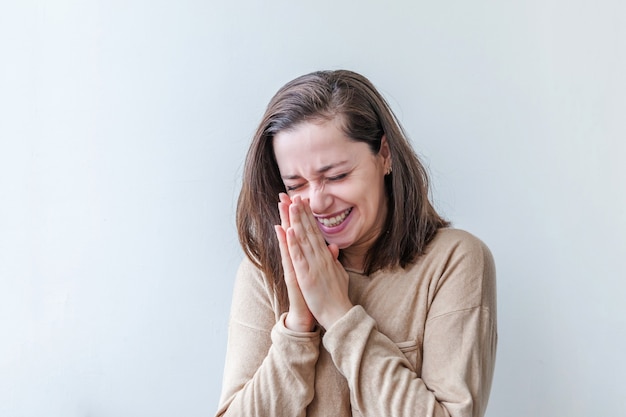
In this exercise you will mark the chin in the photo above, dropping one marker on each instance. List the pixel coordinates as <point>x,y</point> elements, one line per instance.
<point>341,243</point>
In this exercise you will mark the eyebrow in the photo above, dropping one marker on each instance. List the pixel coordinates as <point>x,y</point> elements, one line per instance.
<point>322,170</point>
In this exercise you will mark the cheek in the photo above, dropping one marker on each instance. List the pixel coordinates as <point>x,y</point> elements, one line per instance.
<point>292,194</point>
<point>346,192</point>
<point>376,200</point>
<point>302,191</point>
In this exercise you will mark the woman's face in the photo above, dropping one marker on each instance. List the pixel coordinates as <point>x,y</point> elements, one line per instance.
<point>342,178</point>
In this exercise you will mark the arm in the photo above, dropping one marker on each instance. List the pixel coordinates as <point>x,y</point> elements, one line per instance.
<point>269,370</point>
<point>458,346</point>
<point>459,331</point>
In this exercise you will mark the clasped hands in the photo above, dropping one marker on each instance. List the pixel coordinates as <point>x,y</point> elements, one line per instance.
<point>317,283</point>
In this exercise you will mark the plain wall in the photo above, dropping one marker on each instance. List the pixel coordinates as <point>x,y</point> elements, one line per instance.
<point>124,126</point>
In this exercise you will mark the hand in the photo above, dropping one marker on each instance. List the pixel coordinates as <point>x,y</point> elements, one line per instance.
<point>321,278</point>
<point>299,318</point>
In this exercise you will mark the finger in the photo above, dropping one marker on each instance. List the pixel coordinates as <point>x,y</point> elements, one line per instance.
<point>334,250</point>
<point>283,209</point>
<point>289,274</point>
<point>284,252</point>
<point>310,239</point>
<point>298,260</point>
<point>301,235</point>
<point>311,226</point>
<point>284,197</point>
<point>299,316</point>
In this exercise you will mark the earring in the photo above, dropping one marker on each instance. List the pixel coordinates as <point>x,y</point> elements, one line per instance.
<point>388,170</point>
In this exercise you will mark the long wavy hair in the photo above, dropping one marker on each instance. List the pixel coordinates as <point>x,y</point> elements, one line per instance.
<point>323,95</point>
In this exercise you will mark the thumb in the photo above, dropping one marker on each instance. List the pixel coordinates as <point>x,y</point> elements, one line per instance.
<point>334,250</point>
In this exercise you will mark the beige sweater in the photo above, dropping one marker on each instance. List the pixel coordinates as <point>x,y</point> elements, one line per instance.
<point>419,341</point>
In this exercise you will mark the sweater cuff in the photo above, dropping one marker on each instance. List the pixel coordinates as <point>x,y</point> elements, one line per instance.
<point>355,322</point>
<point>283,331</point>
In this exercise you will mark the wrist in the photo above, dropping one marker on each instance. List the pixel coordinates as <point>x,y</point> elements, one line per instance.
<point>336,314</point>
<point>299,324</point>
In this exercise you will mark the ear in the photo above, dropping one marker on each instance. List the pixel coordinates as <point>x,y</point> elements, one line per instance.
<point>385,153</point>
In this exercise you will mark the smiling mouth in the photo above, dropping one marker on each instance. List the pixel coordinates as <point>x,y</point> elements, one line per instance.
<point>335,220</point>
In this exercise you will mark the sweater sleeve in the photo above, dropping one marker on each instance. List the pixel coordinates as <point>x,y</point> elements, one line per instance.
<point>269,369</point>
<point>459,347</point>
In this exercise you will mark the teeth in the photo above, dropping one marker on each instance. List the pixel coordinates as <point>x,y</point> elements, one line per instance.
<point>334,221</point>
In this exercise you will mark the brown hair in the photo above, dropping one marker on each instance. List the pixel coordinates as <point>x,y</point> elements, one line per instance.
<point>411,219</point>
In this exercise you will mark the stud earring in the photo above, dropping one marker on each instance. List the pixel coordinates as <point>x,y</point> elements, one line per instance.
<point>388,170</point>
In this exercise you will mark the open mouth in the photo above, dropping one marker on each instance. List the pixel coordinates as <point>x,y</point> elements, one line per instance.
<point>335,220</point>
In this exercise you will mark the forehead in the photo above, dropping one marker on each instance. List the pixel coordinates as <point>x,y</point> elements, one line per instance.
<point>310,146</point>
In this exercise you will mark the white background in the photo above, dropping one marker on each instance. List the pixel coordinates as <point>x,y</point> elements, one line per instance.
<point>123,129</point>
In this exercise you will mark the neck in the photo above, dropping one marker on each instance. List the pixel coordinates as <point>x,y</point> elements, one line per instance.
<point>351,260</point>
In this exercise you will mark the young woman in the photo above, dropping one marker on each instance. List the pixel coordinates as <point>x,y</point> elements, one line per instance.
<point>356,298</point>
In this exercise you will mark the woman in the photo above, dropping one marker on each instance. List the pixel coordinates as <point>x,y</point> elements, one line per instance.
<point>355,299</point>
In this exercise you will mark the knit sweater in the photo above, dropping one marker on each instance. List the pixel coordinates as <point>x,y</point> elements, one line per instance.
<point>419,341</point>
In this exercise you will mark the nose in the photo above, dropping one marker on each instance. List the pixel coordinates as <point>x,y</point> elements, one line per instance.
<point>319,199</point>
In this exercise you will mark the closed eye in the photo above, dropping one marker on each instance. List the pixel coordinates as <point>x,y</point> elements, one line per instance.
<point>295,187</point>
<point>337,177</point>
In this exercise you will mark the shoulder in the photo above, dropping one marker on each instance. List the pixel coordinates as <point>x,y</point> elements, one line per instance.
<point>251,278</point>
<point>451,243</point>
<point>252,291</point>
<point>248,270</point>
<point>461,265</point>
<point>248,275</point>
<point>457,238</point>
